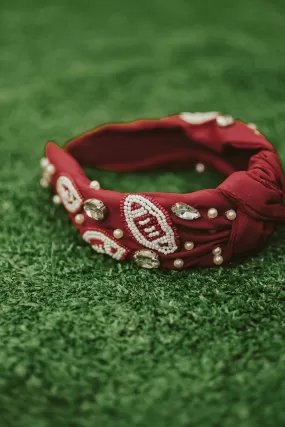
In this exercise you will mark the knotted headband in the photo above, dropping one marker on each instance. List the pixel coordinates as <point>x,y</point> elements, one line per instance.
<point>168,230</point>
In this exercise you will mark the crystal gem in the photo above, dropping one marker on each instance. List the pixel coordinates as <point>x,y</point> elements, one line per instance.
<point>184,211</point>
<point>147,259</point>
<point>95,209</point>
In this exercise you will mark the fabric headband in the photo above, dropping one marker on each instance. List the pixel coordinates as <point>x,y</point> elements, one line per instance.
<point>168,230</point>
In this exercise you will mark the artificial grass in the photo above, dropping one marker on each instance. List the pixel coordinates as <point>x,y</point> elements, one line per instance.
<point>86,341</point>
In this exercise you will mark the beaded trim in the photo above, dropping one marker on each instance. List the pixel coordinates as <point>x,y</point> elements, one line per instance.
<point>103,243</point>
<point>69,194</point>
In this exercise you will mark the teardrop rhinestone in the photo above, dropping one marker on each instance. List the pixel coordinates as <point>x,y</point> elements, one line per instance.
<point>147,259</point>
<point>95,209</point>
<point>184,211</point>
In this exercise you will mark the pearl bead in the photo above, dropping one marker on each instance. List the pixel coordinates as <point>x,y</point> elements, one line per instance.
<point>56,199</point>
<point>50,169</point>
<point>79,219</point>
<point>231,214</point>
<point>218,259</point>
<point>44,183</point>
<point>254,128</point>
<point>189,246</point>
<point>212,213</point>
<point>217,251</point>
<point>44,162</point>
<point>118,234</point>
<point>224,121</point>
<point>95,185</point>
<point>200,167</point>
<point>178,263</point>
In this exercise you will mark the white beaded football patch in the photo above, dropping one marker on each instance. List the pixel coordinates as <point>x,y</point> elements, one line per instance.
<point>198,118</point>
<point>149,223</point>
<point>102,243</point>
<point>69,195</point>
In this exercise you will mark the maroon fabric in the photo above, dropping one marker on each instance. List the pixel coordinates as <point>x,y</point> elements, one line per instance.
<point>254,187</point>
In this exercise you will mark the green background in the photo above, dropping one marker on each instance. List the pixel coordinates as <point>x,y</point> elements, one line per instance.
<point>86,341</point>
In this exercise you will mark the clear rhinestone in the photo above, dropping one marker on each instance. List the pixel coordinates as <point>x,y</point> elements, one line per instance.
<point>184,211</point>
<point>95,209</point>
<point>224,121</point>
<point>147,259</point>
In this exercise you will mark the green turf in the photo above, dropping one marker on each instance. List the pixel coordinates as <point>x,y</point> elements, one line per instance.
<point>86,341</point>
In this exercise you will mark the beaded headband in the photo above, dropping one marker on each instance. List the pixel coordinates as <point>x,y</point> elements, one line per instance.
<point>168,230</point>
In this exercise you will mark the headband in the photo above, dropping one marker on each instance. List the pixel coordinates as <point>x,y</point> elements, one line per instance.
<point>204,228</point>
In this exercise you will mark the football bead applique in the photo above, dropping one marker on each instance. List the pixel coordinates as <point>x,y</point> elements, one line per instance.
<point>69,195</point>
<point>149,223</point>
<point>102,243</point>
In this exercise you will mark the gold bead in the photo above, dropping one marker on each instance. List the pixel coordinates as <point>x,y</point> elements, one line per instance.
<point>212,213</point>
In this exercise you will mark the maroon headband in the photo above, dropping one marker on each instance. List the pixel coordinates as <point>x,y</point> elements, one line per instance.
<point>171,230</point>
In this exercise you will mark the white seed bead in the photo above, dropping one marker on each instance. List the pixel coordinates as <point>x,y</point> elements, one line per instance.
<point>56,199</point>
<point>95,185</point>
<point>212,213</point>
<point>118,233</point>
<point>50,169</point>
<point>79,219</point>
<point>200,167</point>
<point>217,251</point>
<point>178,263</point>
<point>189,246</point>
<point>44,162</point>
<point>231,214</point>
<point>218,259</point>
<point>44,183</point>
